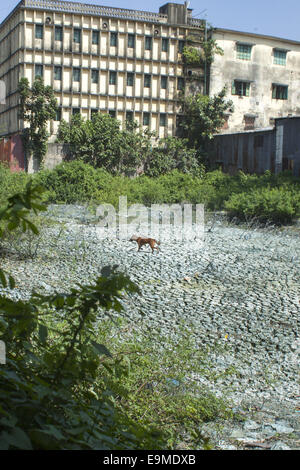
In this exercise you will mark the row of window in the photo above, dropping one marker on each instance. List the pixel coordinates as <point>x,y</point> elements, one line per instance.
<point>244,53</point>
<point>129,116</point>
<point>76,74</point>
<point>242,88</point>
<point>58,36</point>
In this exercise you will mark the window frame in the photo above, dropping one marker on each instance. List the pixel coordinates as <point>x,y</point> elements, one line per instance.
<point>244,88</point>
<point>77,40</point>
<point>56,68</point>
<point>280,92</point>
<point>148,43</point>
<point>164,82</point>
<point>130,78</point>
<point>244,54</point>
<point>113,42</point>
<point>147,80</point>
<point>279,60</point>
<point>164,44</point>
<point>112,79</point>
<point>180,80</point>
<point>146,115</point>
<point>39,27</point>
<point>131,41</point>
<point>181,45</point>
<point>35,70</point>
<point>60,30</point>
<point>162,120</point>
<point>94,73</point>
<point>95,34</point>
<point>76,74</point>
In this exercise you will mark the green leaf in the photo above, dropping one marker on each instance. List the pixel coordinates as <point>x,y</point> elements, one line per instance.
<point>18,438</point>
<point>12,283</point>
<point>3,279</point>
<point>101,349</point>
<point>43,333</point>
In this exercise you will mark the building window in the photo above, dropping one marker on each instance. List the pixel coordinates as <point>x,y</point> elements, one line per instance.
<point>38,70</point>
<point>240,88</point>
<point>113,39</point>
<point>279,92</point>
<point>112,77</point>
<point>39,31</point>
<point>249,122</point>
<point>162,120</point>
<point>131,40</point>
<point>95,37</point>
<point>147,81</point>
<point>129,116</point>
<point>57,72</point>
<point>244,51</point>
<point>164,82</point>
<point>77,36</point>
<point>180,83</point>
<point>58,34</point>
<point>95,76</point>
<point>130,78</point>
<point>279,57</point>
<point>94,111</point>
<point>75,111</point>
<point>76,75</point>
<point>58,115</point>
<point>165,45</point>
<point>148,43</point>
<point>181,45</point>
<point>146,119</point>
<point>112,113</point>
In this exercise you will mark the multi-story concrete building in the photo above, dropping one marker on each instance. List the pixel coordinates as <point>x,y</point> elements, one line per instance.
<point>130,64</point>
<point>124,62</point>
<point>262,75</point>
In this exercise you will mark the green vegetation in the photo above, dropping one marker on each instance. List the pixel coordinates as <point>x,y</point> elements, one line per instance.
<point>266,197</point>
<point>38,106</point>
<point>62,388</point>
<point>203,116</point>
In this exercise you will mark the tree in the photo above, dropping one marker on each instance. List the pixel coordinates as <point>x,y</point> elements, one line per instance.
<point>203,116</point>
<point>37,107</point>
<point>101,143</point>
<point>170,154</point>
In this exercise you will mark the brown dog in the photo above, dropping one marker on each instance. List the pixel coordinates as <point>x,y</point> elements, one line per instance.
<point>141,241</point>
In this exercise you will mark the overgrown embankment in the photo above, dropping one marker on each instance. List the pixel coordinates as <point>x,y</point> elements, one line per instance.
<point>267,197</point>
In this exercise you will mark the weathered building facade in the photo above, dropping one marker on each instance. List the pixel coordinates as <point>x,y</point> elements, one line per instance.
<point>124,62</point>
<point>262,76</point>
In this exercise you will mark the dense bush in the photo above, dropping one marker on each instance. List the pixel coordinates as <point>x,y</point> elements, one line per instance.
<point>267,196</point>
<point>279,205</point>
<point>11,183</point>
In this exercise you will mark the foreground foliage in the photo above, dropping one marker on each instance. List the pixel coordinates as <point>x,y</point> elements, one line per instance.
<point>62,388</point>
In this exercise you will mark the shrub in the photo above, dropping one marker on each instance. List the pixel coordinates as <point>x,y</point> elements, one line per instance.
<point>278,205</point>
<point>73,182</point>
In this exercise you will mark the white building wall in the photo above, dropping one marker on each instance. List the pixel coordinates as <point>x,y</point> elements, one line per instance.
<point>261,72</point>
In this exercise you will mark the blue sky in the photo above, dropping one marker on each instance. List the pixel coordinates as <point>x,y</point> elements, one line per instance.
<point>272,17</point>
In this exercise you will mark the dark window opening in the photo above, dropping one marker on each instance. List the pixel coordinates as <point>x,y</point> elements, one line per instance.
<point>95,38</point>
<point>279,92</point>
<point>240,88</point>
<point>58,33</point>
<point>39,31</point>
<point>131,41</point>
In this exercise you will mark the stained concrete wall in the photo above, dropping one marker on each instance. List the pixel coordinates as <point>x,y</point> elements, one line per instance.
<point>261,72</point>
